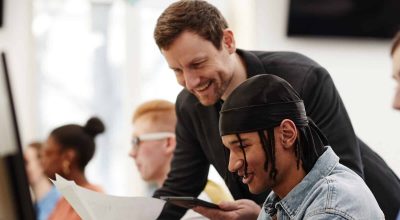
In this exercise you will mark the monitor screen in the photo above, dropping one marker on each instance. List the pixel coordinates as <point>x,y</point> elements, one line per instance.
<point>15,199</point>
<point>344,18</point>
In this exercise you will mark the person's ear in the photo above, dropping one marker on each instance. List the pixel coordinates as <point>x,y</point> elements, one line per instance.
<point>69,155</point>
<point>229,41</point>
<point>288,133</point>
<point>170,145</point>
<point>67,158</point>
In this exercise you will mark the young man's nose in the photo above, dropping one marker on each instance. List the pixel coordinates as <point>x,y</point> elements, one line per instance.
<point>235,165</point>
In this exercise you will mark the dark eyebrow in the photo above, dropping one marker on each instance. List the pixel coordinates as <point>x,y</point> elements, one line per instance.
<point>237,141</point>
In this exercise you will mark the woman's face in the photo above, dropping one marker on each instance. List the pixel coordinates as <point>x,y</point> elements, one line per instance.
<point>52,158</point>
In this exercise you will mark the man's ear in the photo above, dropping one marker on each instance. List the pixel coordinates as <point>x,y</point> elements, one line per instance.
<point>288,133</point>
<point>228,41</point>
<point>170,145</point>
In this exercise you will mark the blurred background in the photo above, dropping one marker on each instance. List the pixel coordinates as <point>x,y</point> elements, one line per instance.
<point>71,59</point>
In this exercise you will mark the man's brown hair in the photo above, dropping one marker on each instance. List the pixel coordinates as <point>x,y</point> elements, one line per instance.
<point>396,43</point>
<point>196,16</point>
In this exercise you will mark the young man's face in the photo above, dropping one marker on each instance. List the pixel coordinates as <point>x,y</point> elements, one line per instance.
<point>201,68</point>
<point>396,77</point>
<point>151,155</point>
<point>257,178</point>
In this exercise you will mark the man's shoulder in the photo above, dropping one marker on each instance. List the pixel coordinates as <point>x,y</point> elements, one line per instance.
<point>284,58</point>
<point>301,72</point>
<point>349,185</point>
<point>342,182</point>
<point>345,194</point>
<point>294,67</point>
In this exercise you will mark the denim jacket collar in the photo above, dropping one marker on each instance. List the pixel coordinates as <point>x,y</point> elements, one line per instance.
<point>292,202</point>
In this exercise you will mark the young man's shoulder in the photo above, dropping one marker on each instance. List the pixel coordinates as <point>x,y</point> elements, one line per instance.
<point>343,193</point>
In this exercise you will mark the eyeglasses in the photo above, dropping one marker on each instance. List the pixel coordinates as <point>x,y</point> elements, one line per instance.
<point>150,137</point>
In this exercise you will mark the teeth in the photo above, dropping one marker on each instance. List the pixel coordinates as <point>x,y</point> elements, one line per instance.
<point>246,179</point>
<point>201,88</point>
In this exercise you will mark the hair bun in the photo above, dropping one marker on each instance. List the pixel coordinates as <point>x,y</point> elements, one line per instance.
<point>94,126</point>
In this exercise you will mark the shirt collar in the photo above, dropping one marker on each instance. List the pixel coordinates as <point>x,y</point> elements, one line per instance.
<point>252,63</point>
<point>293,200</point>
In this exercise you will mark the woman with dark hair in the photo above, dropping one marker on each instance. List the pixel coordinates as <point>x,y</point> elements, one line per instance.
<point>67,151</point>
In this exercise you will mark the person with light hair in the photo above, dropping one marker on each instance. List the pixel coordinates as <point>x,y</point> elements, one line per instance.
<point>153,145</point>
<point>153,141</point>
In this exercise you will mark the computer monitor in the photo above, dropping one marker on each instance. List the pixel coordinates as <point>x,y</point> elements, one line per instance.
<point>344,18</point>
<point>15,199</point>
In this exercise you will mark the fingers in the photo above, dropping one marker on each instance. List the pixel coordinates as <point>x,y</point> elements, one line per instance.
<point>211,213</point>
<point>243,209</point>
<point>229,206</point>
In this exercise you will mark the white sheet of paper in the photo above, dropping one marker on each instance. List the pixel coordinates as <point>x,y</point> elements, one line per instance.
<point>92,205</point>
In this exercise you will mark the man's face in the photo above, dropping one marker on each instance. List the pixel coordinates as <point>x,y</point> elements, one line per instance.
<point>150,156</point>
<point>257,178</point>
<point>396,77</point>
<point>201,68</point>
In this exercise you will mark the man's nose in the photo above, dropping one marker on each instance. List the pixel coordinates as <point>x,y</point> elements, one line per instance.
<point>192,80</point>
<point>235,164</point>
<point>133,153</point>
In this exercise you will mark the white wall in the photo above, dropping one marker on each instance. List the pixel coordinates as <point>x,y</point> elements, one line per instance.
<point>16,40</point>
<point>360,68</point>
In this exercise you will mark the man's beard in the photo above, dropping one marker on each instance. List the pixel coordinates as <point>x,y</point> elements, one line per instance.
<point>211,99</point>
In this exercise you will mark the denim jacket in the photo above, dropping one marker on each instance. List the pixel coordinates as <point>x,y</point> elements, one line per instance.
<point>329,191</point>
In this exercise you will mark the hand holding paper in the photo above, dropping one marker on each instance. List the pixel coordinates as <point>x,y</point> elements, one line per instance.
<point>92,205</point>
